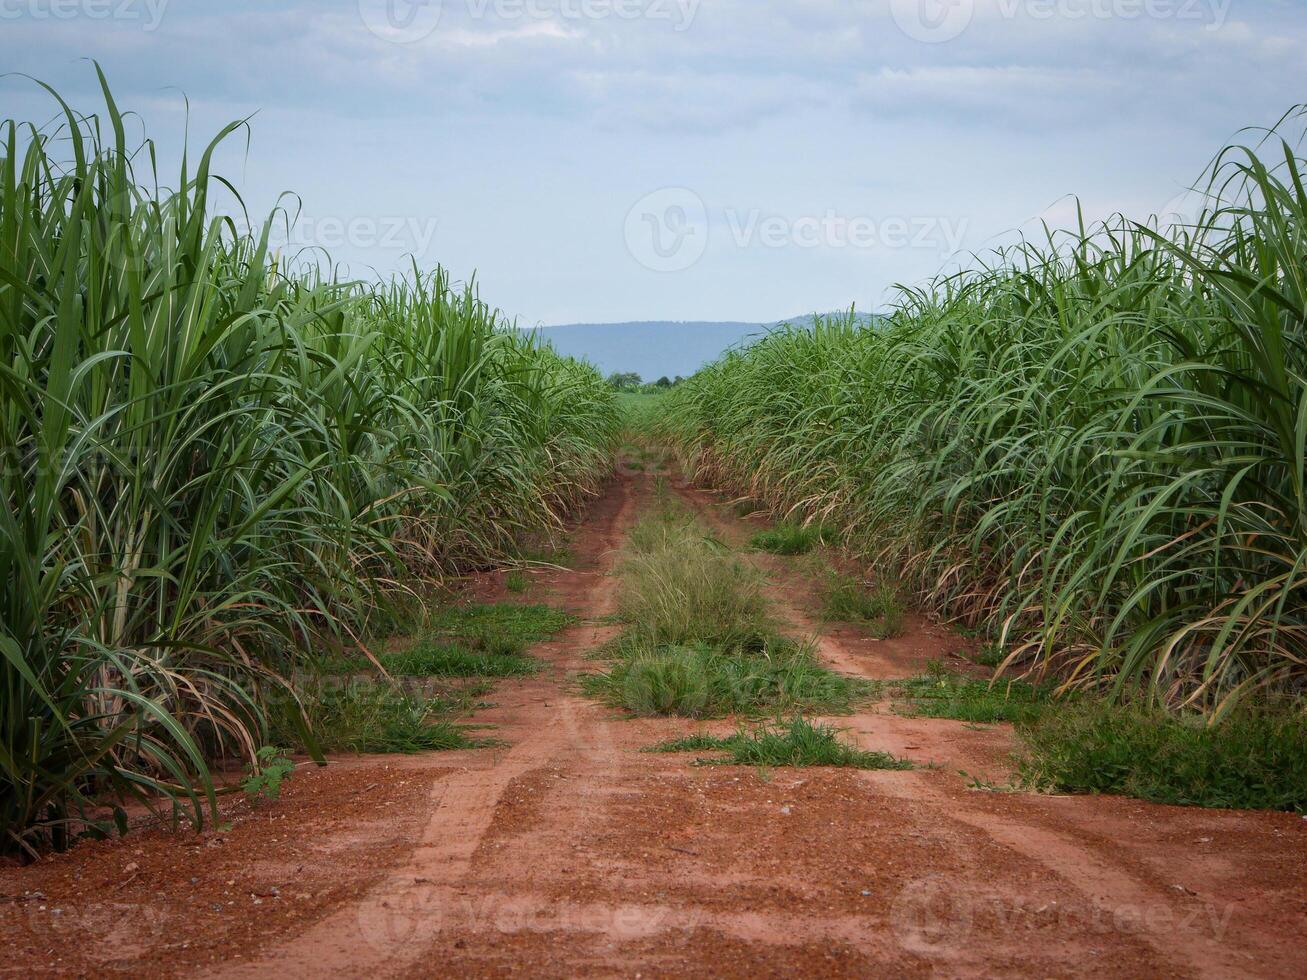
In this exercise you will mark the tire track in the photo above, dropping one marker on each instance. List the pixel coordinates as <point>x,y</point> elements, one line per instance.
<point>393,927</point>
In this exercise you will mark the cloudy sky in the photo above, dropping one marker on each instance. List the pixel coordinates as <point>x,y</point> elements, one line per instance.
<point>597,160</point>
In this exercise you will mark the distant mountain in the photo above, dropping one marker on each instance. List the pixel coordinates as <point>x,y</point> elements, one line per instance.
<point>655,348</point>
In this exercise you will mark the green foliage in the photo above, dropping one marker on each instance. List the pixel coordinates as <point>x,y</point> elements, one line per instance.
<point>363,715</point>
<point>516,582</point>
<point>269,770</point>
<point>1256,758</point>
<point>498,628</point>
<point>789,539</point>
<point>989,655</point>
<point>704,681</point>
<point>1093,440</point>
<point>797,742</point>
<point>664,527</point>
<point>430,659</point>
<point>698,742</point>
<point>213,460</point>
<point>879,610</point>
<point>941,694</point>
<point>472,640</point>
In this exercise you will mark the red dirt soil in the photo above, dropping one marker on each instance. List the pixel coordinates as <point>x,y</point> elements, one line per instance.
<point>570,852</point>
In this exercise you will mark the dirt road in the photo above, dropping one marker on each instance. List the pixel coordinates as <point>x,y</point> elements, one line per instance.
<point>570,852</point>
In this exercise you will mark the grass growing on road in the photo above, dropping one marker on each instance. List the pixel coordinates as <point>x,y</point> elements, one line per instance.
<point>699,642</point>
<point>472,640</point>
<point>879,610</point>
<point>498,628</point>
<point>453,660</point>
<point>1254,759</point>
<point>940,693</point>
<point>797,742</point>
<point>681,585</point>
<point>348,713</point>
<point>692,591</point>
<point>789,539</point>
<point>706,681</point>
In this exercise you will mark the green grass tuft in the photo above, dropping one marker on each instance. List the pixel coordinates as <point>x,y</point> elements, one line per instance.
<point>789,539</point>
<point>472,641</point>
<point>794,743</point>
<point>702,681</point>
<point>680,586</point>
<point>698,742</point>
<point>699,642</point>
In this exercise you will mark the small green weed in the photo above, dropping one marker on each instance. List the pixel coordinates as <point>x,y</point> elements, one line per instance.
<point>794,743</point>
<point>269,770</point>
<point>516,582</point>
<point>989,655</point>
<point>698,742</point>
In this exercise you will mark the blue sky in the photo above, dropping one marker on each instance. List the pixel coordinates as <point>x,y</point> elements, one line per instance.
<point>597,160</point>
